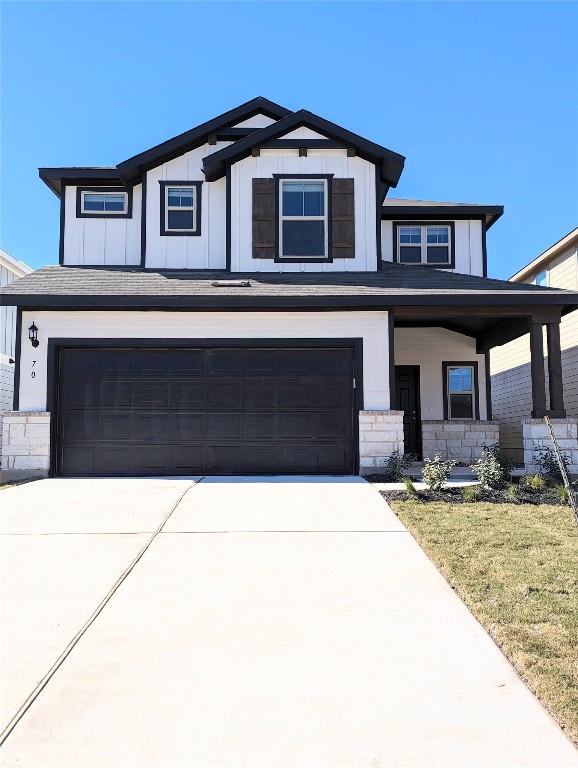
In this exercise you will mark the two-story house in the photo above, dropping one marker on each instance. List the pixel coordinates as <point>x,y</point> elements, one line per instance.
<point>556,267</point>
<point>248,297</point>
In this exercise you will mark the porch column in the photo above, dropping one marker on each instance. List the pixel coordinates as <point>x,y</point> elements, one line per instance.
<point>537,370</point>
<point>555,370</point>
<point>391,352</point>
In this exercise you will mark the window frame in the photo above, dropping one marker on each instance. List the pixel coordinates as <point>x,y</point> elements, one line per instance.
<point>164,208</point>
<point>446,366</point>
<point>279,179</point>
<point>424,224</point>
<point>82,214</point>
<point>546,283</point>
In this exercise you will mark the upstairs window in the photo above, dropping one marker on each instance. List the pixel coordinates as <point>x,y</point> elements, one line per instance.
<point>106,203</point>
<point>303,219</point>
<point>541,278</point>
<point>429,244</point>
<point>180,208</point>
<point>460,388</point>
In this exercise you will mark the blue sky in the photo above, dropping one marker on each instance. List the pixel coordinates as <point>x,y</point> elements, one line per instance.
<point>480,97</point>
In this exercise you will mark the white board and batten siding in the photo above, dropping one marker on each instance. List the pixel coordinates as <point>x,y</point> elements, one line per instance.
<point>318,161</point>
<point>510,363</point>
<point>204,251</point>
<point>107,241</point>
<point>10,270</point>
<point>468,246</point>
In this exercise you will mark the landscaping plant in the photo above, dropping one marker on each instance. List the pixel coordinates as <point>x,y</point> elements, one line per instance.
<point>546,459</point>
<point>492,469</point>
<point>410,487</point>
<point>471,493</point>
<point>436,472</point>
<point>533,483</point>
<point>395,465</point>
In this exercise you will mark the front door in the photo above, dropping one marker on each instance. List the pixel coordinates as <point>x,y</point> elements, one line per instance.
<point>407,400</point>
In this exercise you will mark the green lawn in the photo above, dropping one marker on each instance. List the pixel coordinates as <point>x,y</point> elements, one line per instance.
<point>517,569</point>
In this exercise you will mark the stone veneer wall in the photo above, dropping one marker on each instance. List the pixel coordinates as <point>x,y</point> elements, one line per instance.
<point>25,444</point>
<point>536,435</point>
<point>380,434</point>
<point>461,440</point>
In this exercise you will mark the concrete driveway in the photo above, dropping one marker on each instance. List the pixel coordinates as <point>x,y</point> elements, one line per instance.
<point>244,623</point>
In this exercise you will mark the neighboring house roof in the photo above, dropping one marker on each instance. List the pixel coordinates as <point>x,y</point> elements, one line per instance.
<point>391,163</point>
<point>129,171</point>
<point>16,267</point>
<point>394,285</point>
<point>541,261</point>
<point>393,207</point>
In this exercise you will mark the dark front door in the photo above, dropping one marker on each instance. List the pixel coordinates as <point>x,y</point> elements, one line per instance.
<point>407,396</point>
<point>206,410</point>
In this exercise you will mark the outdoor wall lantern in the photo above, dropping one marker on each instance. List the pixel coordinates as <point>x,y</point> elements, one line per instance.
<point>33,335</point>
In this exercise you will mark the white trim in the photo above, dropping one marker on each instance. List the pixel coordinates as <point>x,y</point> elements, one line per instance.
<point>18,268</point>
<point>104,195</point>
<point>192,208</point>
<point>323,218</point>
<point>522,274</point>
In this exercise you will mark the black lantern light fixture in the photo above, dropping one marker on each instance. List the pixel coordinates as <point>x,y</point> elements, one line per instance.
<point>33,335</point>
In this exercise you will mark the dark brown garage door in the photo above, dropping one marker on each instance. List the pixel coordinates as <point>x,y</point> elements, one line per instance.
<point>225,410</point>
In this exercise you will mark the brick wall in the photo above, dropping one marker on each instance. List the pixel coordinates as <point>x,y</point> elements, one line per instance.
<point>380,434</point>
<point>457,439</point>
<point>25,444</point>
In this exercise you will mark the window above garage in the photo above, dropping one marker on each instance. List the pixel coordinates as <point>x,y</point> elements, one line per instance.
<point>427,243</point>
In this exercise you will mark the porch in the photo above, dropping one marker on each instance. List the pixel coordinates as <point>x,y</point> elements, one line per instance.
<point>440,388</point>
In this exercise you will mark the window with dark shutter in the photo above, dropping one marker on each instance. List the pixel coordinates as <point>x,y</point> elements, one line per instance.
<point>342,219</point>
<point>264,224</point>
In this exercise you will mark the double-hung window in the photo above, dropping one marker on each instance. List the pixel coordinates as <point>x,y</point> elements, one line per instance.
<point>303,219</point>
<point>460,390</point>
<point>180,208</point>
<point>424,244</point>
<point>106,203</point>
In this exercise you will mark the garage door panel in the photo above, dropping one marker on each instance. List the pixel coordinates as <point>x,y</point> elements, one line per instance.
<point>202,411</point>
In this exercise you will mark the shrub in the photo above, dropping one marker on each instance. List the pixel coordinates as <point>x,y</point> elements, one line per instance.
<point>491,468</point>
<point>436,472</point>
<point>561,492</point>
<point>471,493</point>
<point>546,459</point>
<point>410,487</point>
<point>395,465</point>
<point>533,483</point>
<point>512,492</point>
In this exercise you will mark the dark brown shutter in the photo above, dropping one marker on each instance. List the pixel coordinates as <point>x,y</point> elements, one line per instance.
<point>342,219</point>
<point>264,218</point>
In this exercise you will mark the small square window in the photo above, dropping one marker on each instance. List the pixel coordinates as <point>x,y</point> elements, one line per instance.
<point>541,278</point>
<point>180,208</point>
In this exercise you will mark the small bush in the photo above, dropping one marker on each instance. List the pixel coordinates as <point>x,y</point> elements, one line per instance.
<point>471,493</point>
<point>561,492</point>
<point>395,465</point>
<point>533,483</point>
<point>546,459</point>
<point>436,472</point>
<point>512,491</point>
<point>491,468</point>
<point>410,487</point>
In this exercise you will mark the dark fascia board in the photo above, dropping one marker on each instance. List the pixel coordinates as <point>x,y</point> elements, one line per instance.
<point>490,213</point>
<point>526,301</point>
<point>390,163</point>
<point>132,168</point>
<point>55,178</point>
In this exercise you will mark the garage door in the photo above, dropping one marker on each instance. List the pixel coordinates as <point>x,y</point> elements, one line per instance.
<point>225,410</point>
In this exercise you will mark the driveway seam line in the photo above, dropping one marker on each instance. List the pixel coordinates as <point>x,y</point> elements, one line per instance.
<point>43,682</point>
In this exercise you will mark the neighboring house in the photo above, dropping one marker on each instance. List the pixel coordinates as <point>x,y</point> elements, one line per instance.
<point>10,269</point>
<point>557,267</point>
<point>247,298</point>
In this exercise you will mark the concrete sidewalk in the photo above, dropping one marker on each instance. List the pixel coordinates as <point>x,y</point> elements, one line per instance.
<point>273,622</point>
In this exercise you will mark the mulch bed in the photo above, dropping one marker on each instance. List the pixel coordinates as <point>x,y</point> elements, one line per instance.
<point>455,496</point>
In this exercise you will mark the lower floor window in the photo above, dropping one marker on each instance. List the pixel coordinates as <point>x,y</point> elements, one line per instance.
<point>461,391</point>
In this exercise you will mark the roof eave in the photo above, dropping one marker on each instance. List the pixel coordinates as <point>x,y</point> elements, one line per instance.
<point>490,213</point>
<point>54,178</point>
